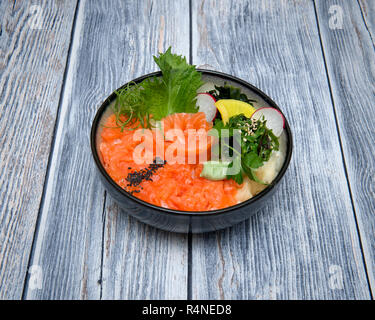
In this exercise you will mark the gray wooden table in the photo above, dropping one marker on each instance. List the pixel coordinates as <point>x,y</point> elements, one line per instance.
<point>63,237</point>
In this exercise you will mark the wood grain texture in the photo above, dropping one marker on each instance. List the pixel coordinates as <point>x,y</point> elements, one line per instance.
<point>141,262</point>
<point>68,240</point>
<point>350,58</point>
<point>32,64</point>
<point>368,14</point>
<point>113,43</point>
<point>306,237</point>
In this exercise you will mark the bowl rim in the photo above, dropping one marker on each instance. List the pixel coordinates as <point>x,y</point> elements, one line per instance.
<point>215,212</point>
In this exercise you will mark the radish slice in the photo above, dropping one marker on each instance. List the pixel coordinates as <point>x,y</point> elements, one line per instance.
<point>207,87</point>
<point>206,104</point>
<point>275,120</point>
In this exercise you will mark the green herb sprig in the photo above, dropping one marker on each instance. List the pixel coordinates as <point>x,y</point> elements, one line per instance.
<point>257,144</point>
<point>130,108</point>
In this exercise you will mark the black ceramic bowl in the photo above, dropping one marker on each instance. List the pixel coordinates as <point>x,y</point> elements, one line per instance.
<point>186,221</point>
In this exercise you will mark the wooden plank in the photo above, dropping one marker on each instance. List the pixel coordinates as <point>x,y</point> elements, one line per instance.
<point>68,241</point>
<point>305,241</point>
<point>141,262</point>
<point>368,14</point>
<point>350,58</point>
<point>137,261</point>
<point>33,56</point>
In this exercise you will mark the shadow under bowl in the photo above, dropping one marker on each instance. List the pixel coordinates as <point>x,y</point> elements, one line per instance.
<point>190,221</point>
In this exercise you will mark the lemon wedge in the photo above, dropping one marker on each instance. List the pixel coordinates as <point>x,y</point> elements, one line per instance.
<point>231,107</point>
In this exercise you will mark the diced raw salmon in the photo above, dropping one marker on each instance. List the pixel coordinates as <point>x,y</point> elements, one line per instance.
<point>176,186</point>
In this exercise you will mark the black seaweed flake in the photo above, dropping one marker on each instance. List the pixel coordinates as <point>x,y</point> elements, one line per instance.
<point>135,178</point>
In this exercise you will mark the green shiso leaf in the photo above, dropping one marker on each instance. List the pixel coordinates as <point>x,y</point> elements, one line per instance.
<point>158,97</point>
<point>175,92</point>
